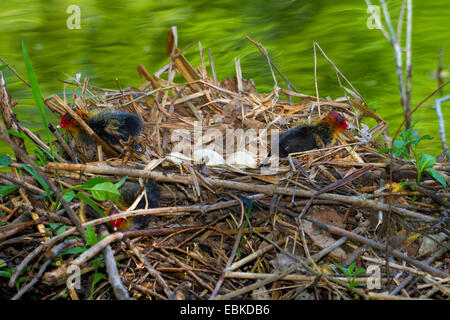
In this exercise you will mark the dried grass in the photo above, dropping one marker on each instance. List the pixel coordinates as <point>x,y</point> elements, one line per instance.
<point>203,245</point>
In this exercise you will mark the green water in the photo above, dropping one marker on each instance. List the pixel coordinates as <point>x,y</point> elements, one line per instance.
<point>116,35</point>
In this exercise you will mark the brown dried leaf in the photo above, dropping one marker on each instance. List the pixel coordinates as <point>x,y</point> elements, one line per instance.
<point>321,238</point>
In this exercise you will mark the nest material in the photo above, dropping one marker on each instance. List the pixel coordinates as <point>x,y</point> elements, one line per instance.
<point>222,229</point>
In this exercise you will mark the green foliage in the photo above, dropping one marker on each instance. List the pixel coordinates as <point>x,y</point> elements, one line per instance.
<point>98,263</point>
<point>3,66</point>
<point>75,250</point>
<point>101,189</point>
<point>91,237</point>
<point>423,162</point>
<point>5,161</point>
<point>436,175</point>
<point>68,195</point>
<point>4,270</point>
<point>351,276</point>
<point>90,203</point>
<point>58,228</point>
<point>42,160</point>
<point>38,178</point>
<point>26,138</point>
<point>5,190</point>
<point>7,272</point>
<point>36,92</point>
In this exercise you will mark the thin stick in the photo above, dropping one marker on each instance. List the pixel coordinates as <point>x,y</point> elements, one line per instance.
<point>26,158</point>
<point>315,79</point>
<point>22,183</point>
<point>252,256</point>
<point>237,241</point>
<point>86,127</point>
<point>257,285</point>
<point>379,246</point>
<point>211,62</point>
<point>169,293</point>
<point>440,116</point>
<point>266,189</point>
<point>119,290</point>
<point>54,252</point>
<point>289,277</point>
<point>408,56</point>
<point>16,73</point>
<point>410,278</point>
<point>63,143</point>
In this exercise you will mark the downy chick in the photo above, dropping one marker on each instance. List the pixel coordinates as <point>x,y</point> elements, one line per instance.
<point>320,133</point>
<point>110,125</point>
<point>129,191</point>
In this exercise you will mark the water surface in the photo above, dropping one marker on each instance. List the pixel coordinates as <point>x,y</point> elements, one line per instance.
<point>115,36</point>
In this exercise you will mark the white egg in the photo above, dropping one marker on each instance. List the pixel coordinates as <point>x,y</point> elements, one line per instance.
<point>178,158</point>
<point>242,159</point>
<point>208,157</point>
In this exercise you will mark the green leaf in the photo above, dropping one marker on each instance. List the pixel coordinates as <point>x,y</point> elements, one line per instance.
<point>54,226</point>
<point>5,161</point>
<point>68,195</point>
<point>36,92</point>
<point>344,271</point>
<point>3,66</point>
<point>90,203</point>
<point>25,137</point>
<point>91,183</point>
<point>409,185</point>
<point>101,188</point>
<point>33,172</point>
<point>351,268</point>
<point>425,161</point>
<point>407,135</point>
<point>61,229</point>
<point>5,190</point>
<point>384,150</point>
<point>358,272</point>
<point>6,273</point>
<point>75,250</point>
<point>57,227</point>
<point>416,141</point>
<point>105,191</point>
<point>399,149</point>
<point>91,238</point>
<point>97,277</point>
<point>40,155</point>
<point>18,281</point>
<point>436,175</point>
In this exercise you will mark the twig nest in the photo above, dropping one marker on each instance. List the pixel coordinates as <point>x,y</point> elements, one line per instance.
<point>178,158</point>
<point>242,159</point>
<point>208,157</point>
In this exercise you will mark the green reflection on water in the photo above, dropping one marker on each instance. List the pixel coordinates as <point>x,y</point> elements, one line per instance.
<point>115,36</point>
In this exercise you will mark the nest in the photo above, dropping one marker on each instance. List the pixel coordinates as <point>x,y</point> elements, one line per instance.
<point>226,230</point>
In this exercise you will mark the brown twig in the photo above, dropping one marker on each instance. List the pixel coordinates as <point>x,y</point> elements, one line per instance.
<point>119,290</point>
<point>53,253</point>
<point>26,158</point>
<point>379,246</point>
